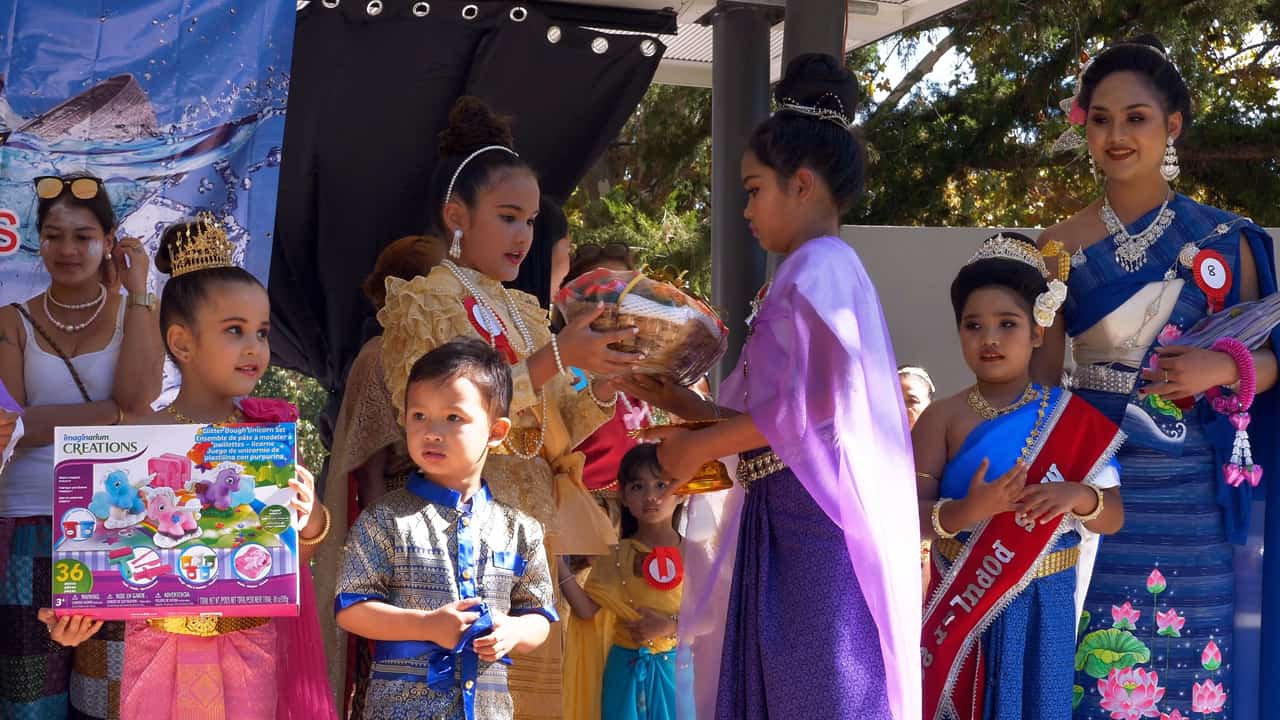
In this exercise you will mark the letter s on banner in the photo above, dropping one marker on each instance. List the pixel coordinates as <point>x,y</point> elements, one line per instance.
<point>9,240</point>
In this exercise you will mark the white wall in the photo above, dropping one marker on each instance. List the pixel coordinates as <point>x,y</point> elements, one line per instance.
<point>912,268</point>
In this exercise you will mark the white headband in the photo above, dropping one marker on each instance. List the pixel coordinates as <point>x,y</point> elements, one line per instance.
<point>448,194</point>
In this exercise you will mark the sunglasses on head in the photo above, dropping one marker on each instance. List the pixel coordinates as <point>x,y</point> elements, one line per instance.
<point>593,252</point>
<point>50,187</point>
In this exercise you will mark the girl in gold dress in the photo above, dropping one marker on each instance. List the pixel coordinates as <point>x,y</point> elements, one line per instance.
<point>487,202</point>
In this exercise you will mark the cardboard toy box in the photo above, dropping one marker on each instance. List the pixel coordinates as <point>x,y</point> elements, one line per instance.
<point>160,520</point>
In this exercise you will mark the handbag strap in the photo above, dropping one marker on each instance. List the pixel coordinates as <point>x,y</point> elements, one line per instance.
<point>66,360</point>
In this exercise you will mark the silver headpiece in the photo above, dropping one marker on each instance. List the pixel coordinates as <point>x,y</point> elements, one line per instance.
<point>838,116</point>
<point>1006,248</point>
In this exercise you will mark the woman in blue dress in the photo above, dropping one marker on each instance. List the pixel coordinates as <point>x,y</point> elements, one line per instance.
<point>1147,264</point>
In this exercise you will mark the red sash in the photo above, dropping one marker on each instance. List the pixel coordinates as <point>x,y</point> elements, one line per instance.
<point>998,561</point>
<point>490,328</point>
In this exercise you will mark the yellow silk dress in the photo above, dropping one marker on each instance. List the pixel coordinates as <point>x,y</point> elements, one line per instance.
<point>589,641</point>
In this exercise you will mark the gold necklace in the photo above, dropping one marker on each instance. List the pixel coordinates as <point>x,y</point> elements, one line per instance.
<point>173,410</point>
<point>979,404</point>
<point>1035,429</point>
<point>756,304</point>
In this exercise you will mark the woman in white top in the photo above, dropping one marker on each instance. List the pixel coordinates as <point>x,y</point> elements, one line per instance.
<point>59,358</point>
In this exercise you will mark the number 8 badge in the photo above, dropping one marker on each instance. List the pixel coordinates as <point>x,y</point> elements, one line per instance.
<point>1213,277</point>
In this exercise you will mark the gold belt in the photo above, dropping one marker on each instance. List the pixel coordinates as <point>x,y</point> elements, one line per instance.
<point>206,625</point>
<point>1052,564</point>
<point>758,467</point>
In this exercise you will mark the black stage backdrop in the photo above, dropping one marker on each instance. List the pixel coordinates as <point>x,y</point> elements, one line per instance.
<point>370,93</point>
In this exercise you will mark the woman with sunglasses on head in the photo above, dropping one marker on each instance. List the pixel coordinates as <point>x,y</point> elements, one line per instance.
<point>79,353</point>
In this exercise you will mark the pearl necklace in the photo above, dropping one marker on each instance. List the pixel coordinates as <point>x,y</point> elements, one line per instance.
<point>75,327</point>
<point>525,336</point>
<point>512,309</point>
<point>102,295</point>
<point>984,409</point>
<point>1131,250</point>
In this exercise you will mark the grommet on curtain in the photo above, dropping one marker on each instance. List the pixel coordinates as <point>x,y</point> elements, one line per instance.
<point>421,9</point>
<point>648,47</point>
<point>470,12</point>
<point>374,7</point>
<point>600,45</point>
<point>331,4</point>
<point>518,14</point>
<point>302,4</point>
<point>554,34</point>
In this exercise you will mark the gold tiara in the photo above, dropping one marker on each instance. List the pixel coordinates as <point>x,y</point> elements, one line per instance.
<point>1007,248</point>
<point>202,245</point>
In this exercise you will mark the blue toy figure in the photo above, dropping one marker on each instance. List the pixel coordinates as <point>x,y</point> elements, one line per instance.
<point>119,503</point>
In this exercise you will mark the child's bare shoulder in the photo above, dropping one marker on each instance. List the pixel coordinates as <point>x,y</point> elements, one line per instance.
<point>948,411</point>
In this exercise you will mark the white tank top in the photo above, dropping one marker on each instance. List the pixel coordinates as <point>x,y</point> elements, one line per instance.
<point>26,489</point>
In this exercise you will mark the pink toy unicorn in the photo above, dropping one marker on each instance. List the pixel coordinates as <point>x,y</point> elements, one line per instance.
<point>175,522</point>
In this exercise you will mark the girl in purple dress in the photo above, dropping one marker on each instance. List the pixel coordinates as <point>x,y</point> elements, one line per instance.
<point>808,605</point>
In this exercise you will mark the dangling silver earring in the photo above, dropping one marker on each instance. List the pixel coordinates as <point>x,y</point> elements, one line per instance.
<point>1093,167</point>
<point>455,247</point>
<point>1169,169</point>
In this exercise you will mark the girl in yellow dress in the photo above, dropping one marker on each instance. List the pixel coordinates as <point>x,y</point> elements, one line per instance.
<point>620,661</point>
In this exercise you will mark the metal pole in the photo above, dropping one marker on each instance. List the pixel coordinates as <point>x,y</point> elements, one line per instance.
<point>813,26</point>
<point>739,101</point>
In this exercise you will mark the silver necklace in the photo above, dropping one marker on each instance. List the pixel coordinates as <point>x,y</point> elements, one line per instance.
<point>74,327</point>
<point>525,336</point>
<point>102,295</point>
<point>1131,250</point>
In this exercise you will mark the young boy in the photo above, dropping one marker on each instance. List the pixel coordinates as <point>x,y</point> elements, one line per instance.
<point>443,577</point>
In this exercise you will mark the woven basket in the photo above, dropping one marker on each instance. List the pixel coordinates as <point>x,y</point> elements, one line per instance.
<point>679,334</point>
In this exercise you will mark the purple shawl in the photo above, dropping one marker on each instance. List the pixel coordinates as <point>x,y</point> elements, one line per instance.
<point>824,391</point>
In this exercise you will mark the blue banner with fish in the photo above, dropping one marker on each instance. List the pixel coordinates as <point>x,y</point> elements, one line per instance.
<point>177,107</point>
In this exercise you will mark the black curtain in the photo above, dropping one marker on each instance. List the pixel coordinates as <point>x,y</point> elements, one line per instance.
<point>369,96</point>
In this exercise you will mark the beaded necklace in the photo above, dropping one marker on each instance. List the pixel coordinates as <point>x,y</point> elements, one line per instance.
<point>527,337</point>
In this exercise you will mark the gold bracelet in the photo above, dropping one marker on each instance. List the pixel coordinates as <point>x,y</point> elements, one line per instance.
<point>925,476</point>
<point>1097,511</point>
<point>937,519</point>
<point>323,533</point>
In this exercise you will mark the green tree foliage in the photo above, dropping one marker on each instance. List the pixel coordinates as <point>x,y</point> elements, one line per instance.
<point>653,188</point>
<point>973,150</point>
<point>310,398</point>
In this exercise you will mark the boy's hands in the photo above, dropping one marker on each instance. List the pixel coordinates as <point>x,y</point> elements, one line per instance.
<point>444,625</point>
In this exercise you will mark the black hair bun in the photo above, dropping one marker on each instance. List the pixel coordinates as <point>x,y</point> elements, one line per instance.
<point>1150,41</point>
<point>472,125</point>
<point>821,81</point>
